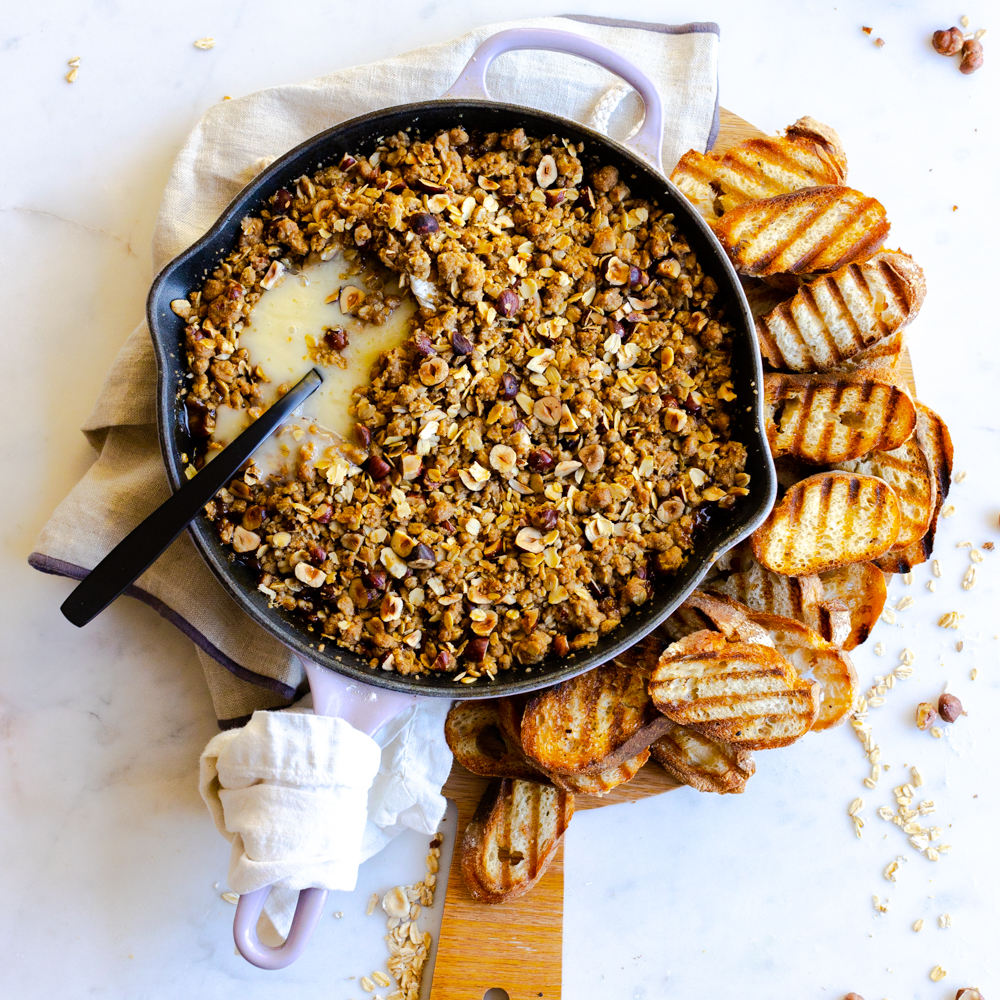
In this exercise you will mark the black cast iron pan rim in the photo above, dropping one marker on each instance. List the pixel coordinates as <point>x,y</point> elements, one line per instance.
<point>170,369</point>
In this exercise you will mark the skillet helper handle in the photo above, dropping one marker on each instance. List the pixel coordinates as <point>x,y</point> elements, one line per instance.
<point>367,709</point>
<point>471,82</point>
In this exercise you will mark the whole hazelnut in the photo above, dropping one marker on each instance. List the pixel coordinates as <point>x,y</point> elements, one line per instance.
<point>475,651</point>
<point>972,56</point>
<point>854,996</point>
<point>336,339</point>
<point>950,708</point>
<point>540,460</point>
<point>461,343</point>
<point>926,715</point>
<point>423,223</point>
<point>509,386</point>
<point>377,467</point>
<point>508,302</point>
<point>949,42</point>
<point>545,518</point>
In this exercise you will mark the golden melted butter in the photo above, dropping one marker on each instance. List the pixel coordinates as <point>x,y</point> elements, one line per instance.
<point>297,307</point>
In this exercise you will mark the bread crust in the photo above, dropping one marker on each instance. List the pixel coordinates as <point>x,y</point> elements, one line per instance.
<point>703,763</point>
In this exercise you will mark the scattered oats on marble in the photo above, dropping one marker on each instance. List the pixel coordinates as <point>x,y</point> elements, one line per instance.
<point>976,556</point>
<point>880,907</point>
<point>937,732</point>
<point>372,903</point>
<point>936,567</point>
<point>205,43</point>
<point>904,602</point>
<point>231,897</point>
<point>937,974</point>
<point>960,476</point>
<point>944,920</point>
<point>879,649</point>
<point>950,620</point>
<point>949,511</point>
<point>969,580</point>
<point>888,616</point>
<point>918,925</point>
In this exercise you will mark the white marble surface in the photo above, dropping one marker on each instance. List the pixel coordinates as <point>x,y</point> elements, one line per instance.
<point>108,856</point>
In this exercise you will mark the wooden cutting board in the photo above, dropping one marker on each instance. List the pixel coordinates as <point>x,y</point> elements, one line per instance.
<point>517,946</point>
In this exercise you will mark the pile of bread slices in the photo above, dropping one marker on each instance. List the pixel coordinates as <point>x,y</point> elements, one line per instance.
<point>759,656</point>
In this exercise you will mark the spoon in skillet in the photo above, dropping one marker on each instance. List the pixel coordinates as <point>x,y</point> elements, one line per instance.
<point>132,556</point>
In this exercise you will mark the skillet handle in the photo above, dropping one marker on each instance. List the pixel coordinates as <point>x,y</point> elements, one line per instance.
<point>367,709</point>
<point>471,82</point>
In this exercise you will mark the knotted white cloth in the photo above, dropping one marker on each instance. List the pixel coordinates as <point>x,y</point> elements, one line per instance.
<point>306,798</point>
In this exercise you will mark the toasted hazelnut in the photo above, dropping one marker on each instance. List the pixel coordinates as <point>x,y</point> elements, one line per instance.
<point>854,996</point>
<point>473,478</point>
<point>376,579</point>
<point>350,298</point>
<point>486,183</point>
<point>244,540</point>
<point>475,651</point>
<point>530,539</point>
<point>377,467</point>
<point>282,201</point>
<point>592,457</point>
<point>393,563</point>
<point>363,435</point>
<point>361,595</point>
<point>401,543</point>
<point>443,661</point>
<point>615,271</point>
<point>392,608</point>
<point>423,557</point>
<point>547,171</point>
<point>484,621</point>
<point>926,715</point>
<point>508,302</point>
<point>280,539</point>
<point>540,460</point>
<point>670,510</point>
<point>950,707</point>
<point>968,993</point>
<point>972,56</point>
<point>423,346</point>
<point>509,386</point>
<point>433,371</point>
<point>352,541</point>
<point>336,339</point>
<point>254,517</point>
<point>412,466</point>
<point>423,223</point>
<point>460,343</point>
<point>310,575</point>
<point>545,518</point>
<point>548,410</point>
<point>552,198</point>
<point>503,458</point>
<point>948,42</point>
<point>586,199</point>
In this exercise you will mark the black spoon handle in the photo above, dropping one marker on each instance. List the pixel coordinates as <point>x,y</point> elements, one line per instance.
<point>132,556</point>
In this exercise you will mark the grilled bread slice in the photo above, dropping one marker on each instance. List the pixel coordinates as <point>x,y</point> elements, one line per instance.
<point>935,442</point>
<point>512,838</point>
<point>741,693</point>
<point>601,782</point>
<point>701,762</point>
<point>474,733</point>
<point>907,471</point>
<point>717,613</point>
<point>844,316</point>
<point>804,648</point>
<point>828,520</point>
<point>829,418</point>
<point>472,730</point>
<point>814,657</point>
<point>861,588</point>
<point>809,154</point>
<point>591,723</point>
<point>812,231</point>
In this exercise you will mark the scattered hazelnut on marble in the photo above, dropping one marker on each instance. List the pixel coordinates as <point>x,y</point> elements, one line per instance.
<point>948,42</point>
<point>972,56</point>
<point>926,715</point>
<point>396,903</point>
<point>950,708</point>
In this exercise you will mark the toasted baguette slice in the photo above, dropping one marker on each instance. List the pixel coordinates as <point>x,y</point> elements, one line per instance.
<point>477,737</point>
<point>741,693</point>
<point>935,443</point>
<point>828,520</point>
<point>601,782</point>
<point>828,418</point>
<point>591,723</point>
<point>741,578</point>
<point>716,613</point>
<point>861,587</point>
<point>843,316</point>
<point>814,657</point>
<point>472,730</point>
<point>812,231</point>
<point>907,471</point>
<point>809,154</point>
<point>701,762</point>
<point>512,838</point>
<point>804,648</point>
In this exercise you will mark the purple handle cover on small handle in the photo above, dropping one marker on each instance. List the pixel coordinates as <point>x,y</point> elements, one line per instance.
<point>367,709</point>
<point>471,82</point>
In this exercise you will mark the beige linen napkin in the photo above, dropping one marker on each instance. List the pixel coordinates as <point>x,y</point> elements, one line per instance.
<point>245,667</point>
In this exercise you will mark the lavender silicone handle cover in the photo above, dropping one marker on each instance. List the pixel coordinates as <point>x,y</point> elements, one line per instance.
<point>471,82</point>
<point>367,709</point>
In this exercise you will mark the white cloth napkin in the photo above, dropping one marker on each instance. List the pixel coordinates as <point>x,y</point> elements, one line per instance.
<point>306,798</point>
<point>245,667</point>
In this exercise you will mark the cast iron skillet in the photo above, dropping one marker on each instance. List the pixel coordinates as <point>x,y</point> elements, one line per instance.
<point>189,270</point>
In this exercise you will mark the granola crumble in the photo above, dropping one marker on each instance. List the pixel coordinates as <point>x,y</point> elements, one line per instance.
<point>542,447</point>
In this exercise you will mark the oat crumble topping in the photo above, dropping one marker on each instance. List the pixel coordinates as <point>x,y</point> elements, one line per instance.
<point>541,448</point>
